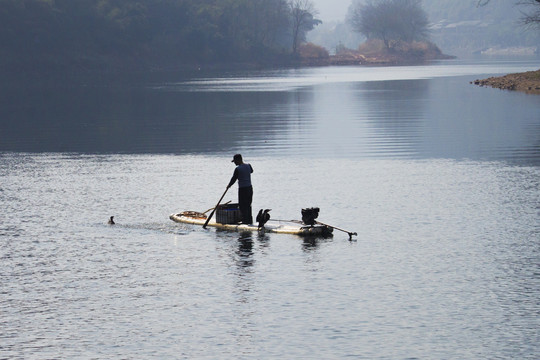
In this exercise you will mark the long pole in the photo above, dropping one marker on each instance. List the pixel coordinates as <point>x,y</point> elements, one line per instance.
<point>333,227</point>
<point>213,211</point>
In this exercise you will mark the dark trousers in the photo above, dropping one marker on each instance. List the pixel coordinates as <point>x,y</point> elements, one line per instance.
<point>245,197</point>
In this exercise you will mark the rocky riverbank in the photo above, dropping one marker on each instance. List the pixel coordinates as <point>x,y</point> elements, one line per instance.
<point>528,82</point>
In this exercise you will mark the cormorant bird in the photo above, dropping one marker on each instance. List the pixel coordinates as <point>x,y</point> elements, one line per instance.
<point>263,217</point>
<point>111,221</point>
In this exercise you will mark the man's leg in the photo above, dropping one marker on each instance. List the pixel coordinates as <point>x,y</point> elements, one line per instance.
<point>245,198</point>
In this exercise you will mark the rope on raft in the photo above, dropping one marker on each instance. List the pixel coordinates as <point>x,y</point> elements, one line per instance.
<point>196,214</point>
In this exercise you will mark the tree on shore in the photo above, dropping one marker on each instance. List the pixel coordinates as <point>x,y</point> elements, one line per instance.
<point>303,20</point>
<point>391,21</point>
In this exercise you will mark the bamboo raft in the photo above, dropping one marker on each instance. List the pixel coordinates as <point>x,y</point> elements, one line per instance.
<point>272,226</point>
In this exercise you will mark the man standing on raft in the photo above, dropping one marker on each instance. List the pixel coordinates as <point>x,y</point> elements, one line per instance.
<point>242,173</point>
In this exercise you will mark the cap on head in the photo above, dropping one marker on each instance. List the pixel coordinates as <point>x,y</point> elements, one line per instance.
<point>237,157</point>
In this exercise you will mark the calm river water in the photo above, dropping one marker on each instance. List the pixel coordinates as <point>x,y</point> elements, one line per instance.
<point>439,178</point>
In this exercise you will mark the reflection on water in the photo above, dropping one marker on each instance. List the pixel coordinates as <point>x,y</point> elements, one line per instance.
<point>407,112</point>
<point>446,262</point>
<point>245,250</point>
<point>296,79</point>
<point>445,265</point>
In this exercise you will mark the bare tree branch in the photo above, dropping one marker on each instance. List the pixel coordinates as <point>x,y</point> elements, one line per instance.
<point>529,18</point>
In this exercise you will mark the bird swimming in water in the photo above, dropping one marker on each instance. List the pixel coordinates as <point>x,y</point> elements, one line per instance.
<point>111,221</point>
<point>262,217</point>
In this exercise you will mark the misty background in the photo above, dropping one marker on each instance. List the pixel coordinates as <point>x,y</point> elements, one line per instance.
<point>37,37</point>
<point>460,28</point>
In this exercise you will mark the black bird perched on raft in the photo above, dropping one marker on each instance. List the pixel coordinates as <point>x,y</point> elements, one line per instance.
<point>111,221</point>
<point>262,217</point>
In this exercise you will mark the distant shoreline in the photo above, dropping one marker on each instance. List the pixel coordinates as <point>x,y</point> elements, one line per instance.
<point>374,52</point>
<point>373,60</point>
<point>371,53</point>
<point>528,82</point>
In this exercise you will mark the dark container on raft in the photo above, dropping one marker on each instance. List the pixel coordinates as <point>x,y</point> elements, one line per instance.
<point>228,214</point>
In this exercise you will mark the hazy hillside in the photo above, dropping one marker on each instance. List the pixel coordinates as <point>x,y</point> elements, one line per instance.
<point>110,35</point>
<point>462,27</point>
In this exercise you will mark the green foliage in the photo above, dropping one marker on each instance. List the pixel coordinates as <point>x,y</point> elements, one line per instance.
<point>112,34</point>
